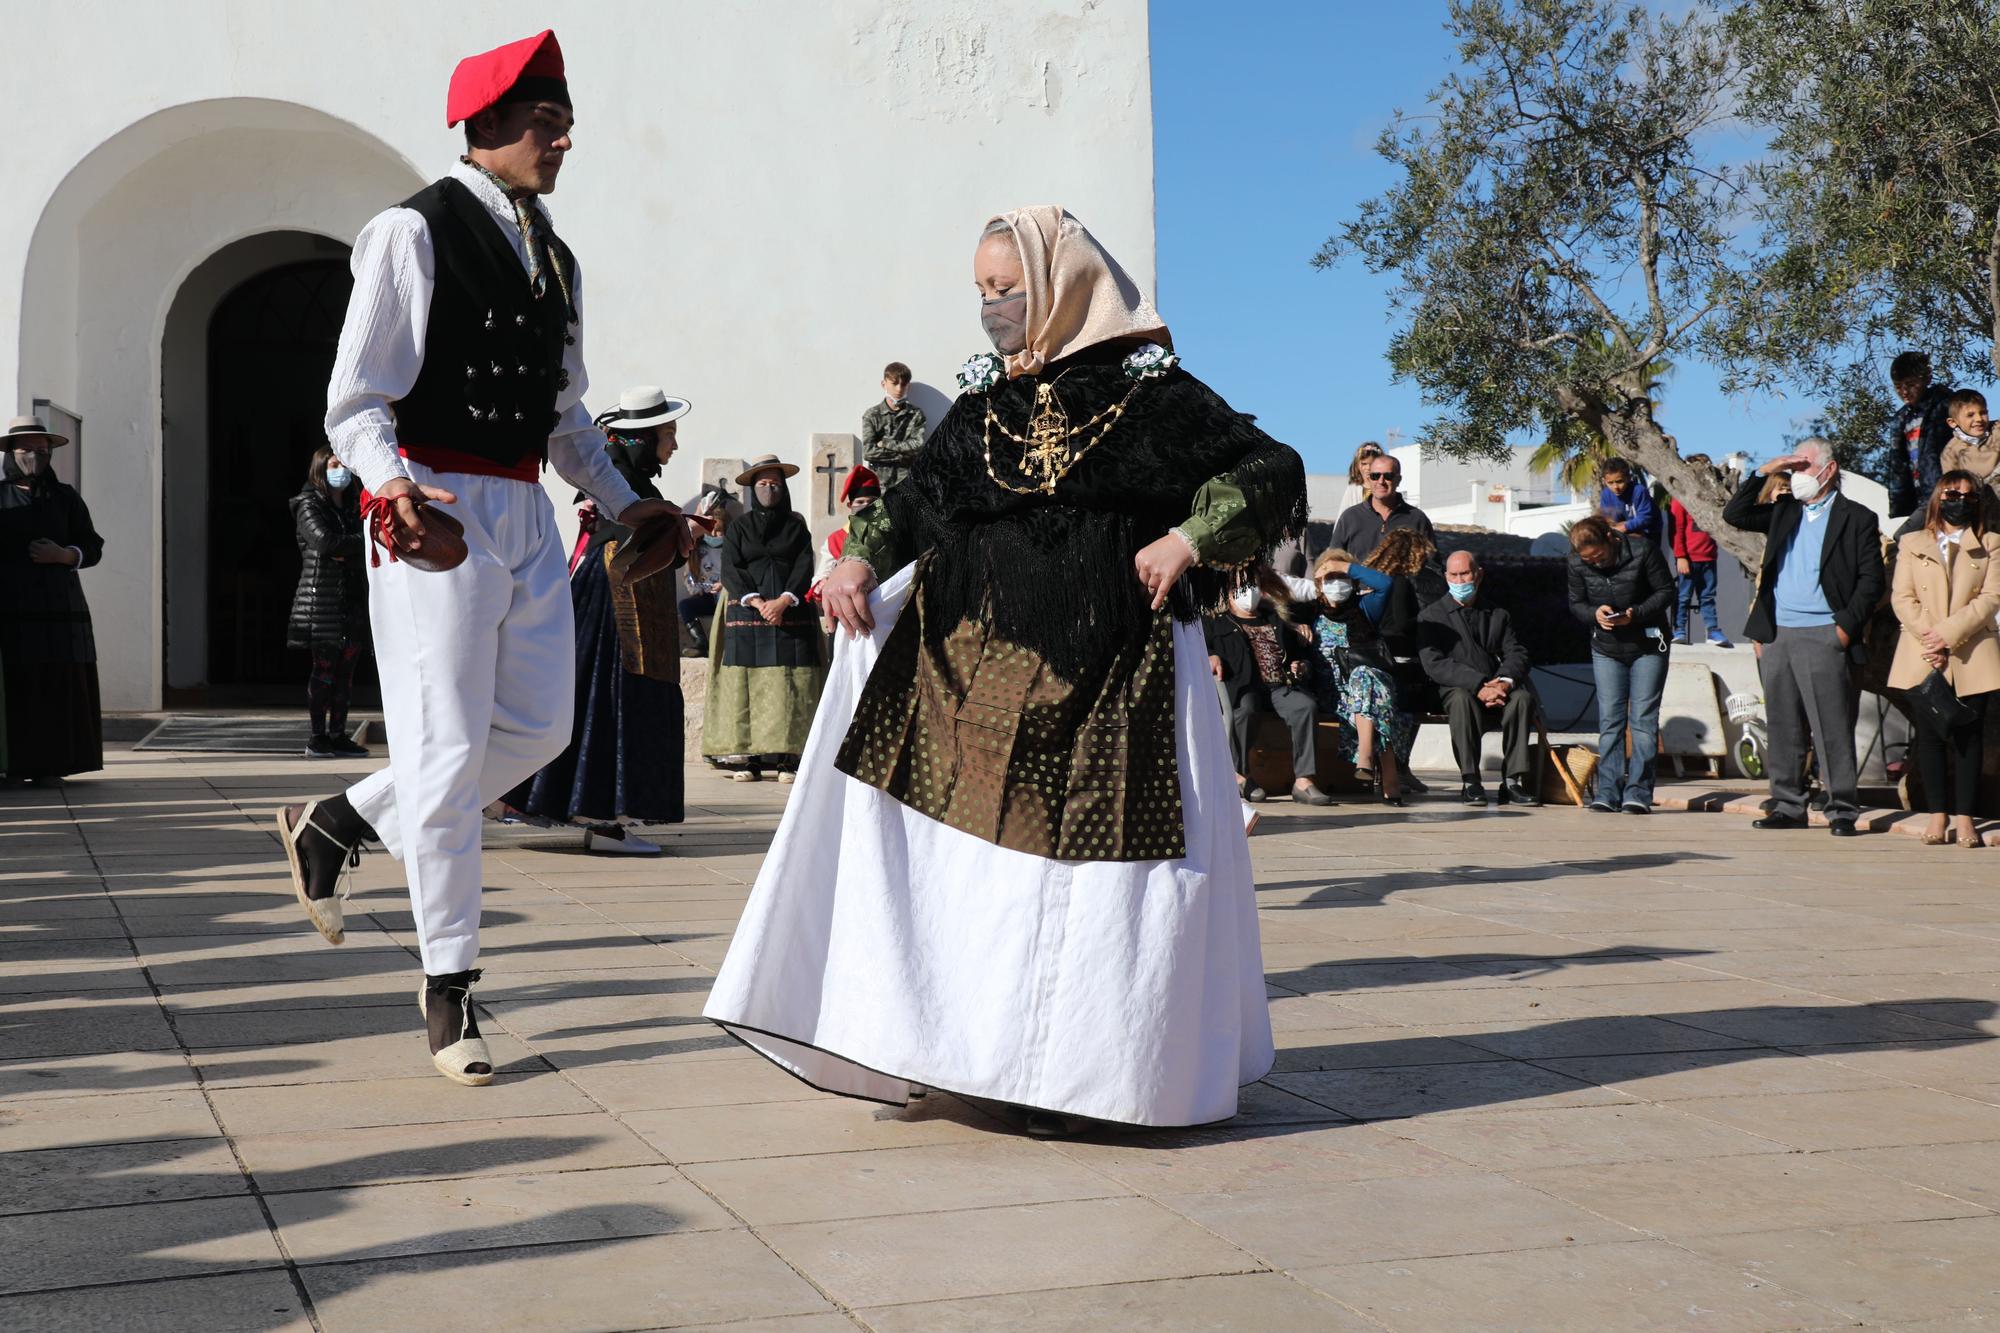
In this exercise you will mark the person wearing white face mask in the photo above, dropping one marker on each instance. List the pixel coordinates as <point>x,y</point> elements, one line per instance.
<point>1820,582</point>
<point>1359,685</point>
<point>330,608</point>
<point>1265,665</point>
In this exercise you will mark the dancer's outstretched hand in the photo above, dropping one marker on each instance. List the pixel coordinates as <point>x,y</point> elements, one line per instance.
<point>1161,565</point>
<point>845,596</point>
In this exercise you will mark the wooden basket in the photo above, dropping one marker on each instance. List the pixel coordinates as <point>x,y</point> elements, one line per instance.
<point>1580,763</point>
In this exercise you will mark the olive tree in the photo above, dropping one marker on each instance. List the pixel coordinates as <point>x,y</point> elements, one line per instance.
<point>1878,202</point>
<point>1560,229</point>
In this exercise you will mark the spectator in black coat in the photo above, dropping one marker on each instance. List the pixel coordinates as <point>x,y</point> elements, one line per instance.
<point>1620,586</point>
<point>1266,665</point>
<point>330,609</point>
<point>1470,653</point>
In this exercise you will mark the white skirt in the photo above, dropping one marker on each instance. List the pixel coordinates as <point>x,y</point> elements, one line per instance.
<point>882,951</point>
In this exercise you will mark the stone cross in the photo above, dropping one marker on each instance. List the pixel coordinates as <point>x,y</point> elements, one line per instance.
<point>833,456</point>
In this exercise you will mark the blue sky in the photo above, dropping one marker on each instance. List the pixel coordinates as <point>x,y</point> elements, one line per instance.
<point>1265,118</point>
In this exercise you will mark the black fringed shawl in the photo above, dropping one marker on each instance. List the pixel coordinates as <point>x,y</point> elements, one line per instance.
<point>766,552</point>
<point>1055,573</point>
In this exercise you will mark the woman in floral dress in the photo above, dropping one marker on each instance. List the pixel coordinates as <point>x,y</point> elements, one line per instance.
<point>1358,686</point>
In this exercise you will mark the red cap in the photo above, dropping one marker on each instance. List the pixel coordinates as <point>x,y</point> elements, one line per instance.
<point>531,67</point>
<point>860,480</point>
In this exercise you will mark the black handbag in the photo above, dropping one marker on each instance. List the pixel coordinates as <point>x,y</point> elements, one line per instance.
<point>1935,704</point>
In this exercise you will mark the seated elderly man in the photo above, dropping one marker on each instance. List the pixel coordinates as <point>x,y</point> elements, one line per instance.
<point>1469,651</point>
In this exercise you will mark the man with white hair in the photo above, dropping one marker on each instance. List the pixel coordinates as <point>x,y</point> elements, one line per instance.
<point>1821,579</point>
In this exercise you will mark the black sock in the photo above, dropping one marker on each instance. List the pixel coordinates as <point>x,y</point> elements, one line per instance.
<point>338,817</point>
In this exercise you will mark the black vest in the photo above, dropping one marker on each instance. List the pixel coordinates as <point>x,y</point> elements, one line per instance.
<point>493,350</point>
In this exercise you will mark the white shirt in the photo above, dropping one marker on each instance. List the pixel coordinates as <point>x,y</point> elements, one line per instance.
<point>382,349</point>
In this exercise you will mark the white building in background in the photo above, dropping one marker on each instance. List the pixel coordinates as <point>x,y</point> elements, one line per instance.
<point>769,202</point>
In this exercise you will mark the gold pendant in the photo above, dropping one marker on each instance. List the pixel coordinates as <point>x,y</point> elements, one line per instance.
<point>1048,438</point>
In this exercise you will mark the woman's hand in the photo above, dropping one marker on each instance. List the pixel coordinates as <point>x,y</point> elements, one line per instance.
<point>1215,666</point>
<point>845,596</point>
<point>1607,619</point>
<point>773,610</point>
<point>45,552</point>
<point>1933,642</point>
<point>1936,661</point>
<point>1161,565</point>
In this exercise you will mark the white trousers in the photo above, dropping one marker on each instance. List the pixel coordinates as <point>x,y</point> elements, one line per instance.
<point>478,668</point>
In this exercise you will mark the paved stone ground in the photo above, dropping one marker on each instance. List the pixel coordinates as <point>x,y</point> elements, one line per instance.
<point>1540,1069</point>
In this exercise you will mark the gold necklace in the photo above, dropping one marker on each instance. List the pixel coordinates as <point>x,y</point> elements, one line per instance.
<point>1047,455</point>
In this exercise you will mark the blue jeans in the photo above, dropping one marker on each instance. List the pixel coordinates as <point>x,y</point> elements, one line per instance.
<point>1628,694</point>
<point>1698,584</point>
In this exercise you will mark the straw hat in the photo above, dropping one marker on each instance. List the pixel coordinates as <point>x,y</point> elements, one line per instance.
<point>646,405</point>
<point>22,429</point>
<point>764,463</point>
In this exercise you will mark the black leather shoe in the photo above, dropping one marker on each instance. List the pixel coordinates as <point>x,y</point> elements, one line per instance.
<point>1252,792</point>
<point>1779,821</point>
<point>1413,785</point>
<point>1472,793</point>
<point>1515,791</point>
<point>1844,828</point>
<point>1307,794</point>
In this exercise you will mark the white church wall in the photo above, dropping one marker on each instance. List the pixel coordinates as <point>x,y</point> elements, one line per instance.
<point>769,201</point>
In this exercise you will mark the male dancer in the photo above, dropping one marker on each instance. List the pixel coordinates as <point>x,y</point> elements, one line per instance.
<point>459,375</point>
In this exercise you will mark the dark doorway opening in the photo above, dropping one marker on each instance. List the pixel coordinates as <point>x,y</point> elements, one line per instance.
<point>271,343</point>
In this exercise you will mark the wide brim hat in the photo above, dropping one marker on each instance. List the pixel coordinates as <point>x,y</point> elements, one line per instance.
<point>647,405</point>
<point>32,428</point>
<point>764,463</point>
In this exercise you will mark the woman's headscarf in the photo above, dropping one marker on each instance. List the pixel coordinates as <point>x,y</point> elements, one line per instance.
<point>1078,296</point>
<point>768,550</point>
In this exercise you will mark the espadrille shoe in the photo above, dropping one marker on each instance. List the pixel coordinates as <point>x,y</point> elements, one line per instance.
<point>457,1049</point>
<point>321,856</point>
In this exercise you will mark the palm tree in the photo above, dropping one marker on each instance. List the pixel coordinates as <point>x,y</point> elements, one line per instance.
<point>1573,452</point>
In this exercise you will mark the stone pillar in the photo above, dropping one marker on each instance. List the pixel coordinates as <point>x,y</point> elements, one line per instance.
<point>833,456</point>
<point>723,472</point>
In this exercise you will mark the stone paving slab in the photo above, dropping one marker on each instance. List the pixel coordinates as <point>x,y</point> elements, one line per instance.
<point>1536,1070</point>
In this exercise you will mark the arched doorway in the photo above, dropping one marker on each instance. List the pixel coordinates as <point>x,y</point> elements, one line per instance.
<point>131,256</point>
<point>245,357</point>
<point>270,352</point>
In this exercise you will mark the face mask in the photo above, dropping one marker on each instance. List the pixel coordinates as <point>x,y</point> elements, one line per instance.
<point>1246,599</point>
<point>26,464</point>
<point>338,477</point>
<point>1805,487</point>
<point>1976,441</point>
<point>711,541</point>
<point>1956,509</point>
<point>1462,592</point>
<point>1337,590</point>
<point>1005,320</point>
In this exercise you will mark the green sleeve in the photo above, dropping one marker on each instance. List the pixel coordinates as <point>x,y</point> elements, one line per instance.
<point>872,537</point>
<point>1221,527</point>
<point>1245,511</point>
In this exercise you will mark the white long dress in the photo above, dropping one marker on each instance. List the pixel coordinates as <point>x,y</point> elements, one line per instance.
<point>882,950</point>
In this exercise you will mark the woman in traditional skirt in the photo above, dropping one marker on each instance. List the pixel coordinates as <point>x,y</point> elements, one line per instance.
<point>47,649</point>
<point>765,664</point>
<point>623,764</point>
<point>1015,866</point>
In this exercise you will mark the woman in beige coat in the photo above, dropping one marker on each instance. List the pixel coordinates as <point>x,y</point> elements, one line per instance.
<point>1946,593</point>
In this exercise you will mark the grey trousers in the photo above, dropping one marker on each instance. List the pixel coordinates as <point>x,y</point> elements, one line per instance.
<point>1468,719</point>
<point>1295,708</point>
<point>1806,685</point>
